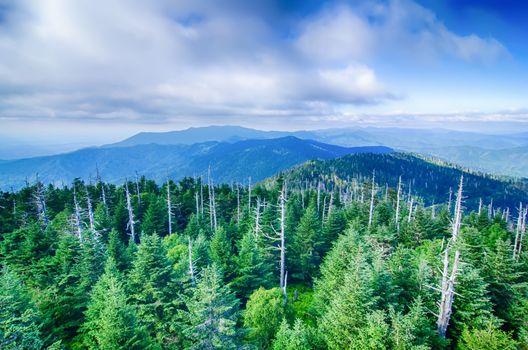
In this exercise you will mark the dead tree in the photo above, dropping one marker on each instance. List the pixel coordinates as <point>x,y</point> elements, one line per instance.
<point>411,207</point>
<point>212,201</point>
<point>40,200</point>
<point>318,197</point>
<point>450,200</point>
<point>137,191</point>
<point>131,221</point>
<point>90,211</point>
<point>398,205</point>
<point>480,206</point>
<point>249,194</point>
<point>448,280</point>
<point>280,237</point>
<point>257,218</point>
<point>77,216</point>
<point>238,204</point>
<point>101,184</point>
<point>169,207</point>
<point>518,229</point>
<point>197,205</point>
<point>372,194</point>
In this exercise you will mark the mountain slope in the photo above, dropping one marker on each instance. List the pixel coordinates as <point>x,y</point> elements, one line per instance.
<point>225,133</point>
<point>428,180</point>
<point>229,161</point>
<point>446,144</point>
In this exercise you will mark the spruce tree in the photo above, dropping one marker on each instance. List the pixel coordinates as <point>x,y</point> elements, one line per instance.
<point>264,313</point>
<point>111,322</point>
<point>19,317</point>
<point>211,314</point>
<point>152,289</point>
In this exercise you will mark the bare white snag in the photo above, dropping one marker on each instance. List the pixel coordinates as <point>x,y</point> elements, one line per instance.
<point>40,200</point>
<point>372,194</point>
<point>411,208</point>
<point>398,205</point>
<point>77,216</point>
<point>480,206</point>
<point>249,194</point>
<point>518,229</point>
<point>448,281</point>
<point>318,197</point>
<point>90,211</point>
<point>257,218</point>
<point>238,204</point>
<point>131,221</point>
<point>169,207</point>
<point>282,201</point>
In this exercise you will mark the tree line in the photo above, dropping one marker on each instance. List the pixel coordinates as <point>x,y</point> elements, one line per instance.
<point>312,264</point>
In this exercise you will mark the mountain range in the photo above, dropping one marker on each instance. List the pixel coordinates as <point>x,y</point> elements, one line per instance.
<point>495,154</point>
<point>255,158</point>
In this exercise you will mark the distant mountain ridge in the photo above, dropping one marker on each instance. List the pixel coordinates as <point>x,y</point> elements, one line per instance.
<point>497,154</point>
<point>236,161</point>
<point>426,179</point>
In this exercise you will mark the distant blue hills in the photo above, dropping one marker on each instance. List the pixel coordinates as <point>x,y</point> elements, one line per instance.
<point>229,161</point>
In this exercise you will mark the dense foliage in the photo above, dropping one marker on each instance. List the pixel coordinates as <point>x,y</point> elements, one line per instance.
<point>75,277</point>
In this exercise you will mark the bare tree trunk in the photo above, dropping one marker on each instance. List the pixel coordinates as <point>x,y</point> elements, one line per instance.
<point>282,201</point>
<point>318,197</point>
<point>100,183</point>
<point>324,210</point>
<point>77,216</point>
<point>448,283</point>
<point>249,194</point>
<point>398,205</point>
<point>90,211</point>
<point>169,207</point>
<point>372,194</point>
<point>41,203</point>
<point>131,222</point>
<point>448,293</point>
<point>433,212</point>
<point>411,207</point>
<point>210,197</point>
<point>490,209</point>
<point>518,229</point>
<point>201,198</point>
<point>480,206</point>
<point>458,210</point>
<point>238,204</point>
<point>257,218</point>
<point>330,205</point>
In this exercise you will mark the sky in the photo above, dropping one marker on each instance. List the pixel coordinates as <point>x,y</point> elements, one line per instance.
<point>92,72</point>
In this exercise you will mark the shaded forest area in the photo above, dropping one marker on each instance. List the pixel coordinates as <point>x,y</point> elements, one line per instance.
<point>306,263</point>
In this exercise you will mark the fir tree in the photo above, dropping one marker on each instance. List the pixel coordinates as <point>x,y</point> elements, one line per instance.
<point>19,318</point>
<point>111,322</point>
<point>212,313</point>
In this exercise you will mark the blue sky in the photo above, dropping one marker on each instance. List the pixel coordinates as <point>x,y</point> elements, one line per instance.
<point>96,71</point>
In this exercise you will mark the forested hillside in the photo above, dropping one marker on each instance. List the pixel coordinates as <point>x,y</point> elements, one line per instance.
<point>278,266</point>
<point>429,179</point>
<point>237,161</point>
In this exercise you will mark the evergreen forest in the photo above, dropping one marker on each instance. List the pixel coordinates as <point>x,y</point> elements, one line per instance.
<point>289,263</point>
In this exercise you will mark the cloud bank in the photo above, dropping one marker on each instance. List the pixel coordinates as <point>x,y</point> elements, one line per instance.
<point>158,61</point>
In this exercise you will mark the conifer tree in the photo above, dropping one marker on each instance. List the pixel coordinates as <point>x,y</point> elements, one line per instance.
<point>211,314</point>
<point>151,288</point>
<point>111,322</point>
<point>253,270</point>
<point>304,246</point>
<point>19,317</point>
<point>297,337</point>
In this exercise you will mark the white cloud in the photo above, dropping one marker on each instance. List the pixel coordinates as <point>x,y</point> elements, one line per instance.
<point>156,61</point>
<point>398,27</point>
